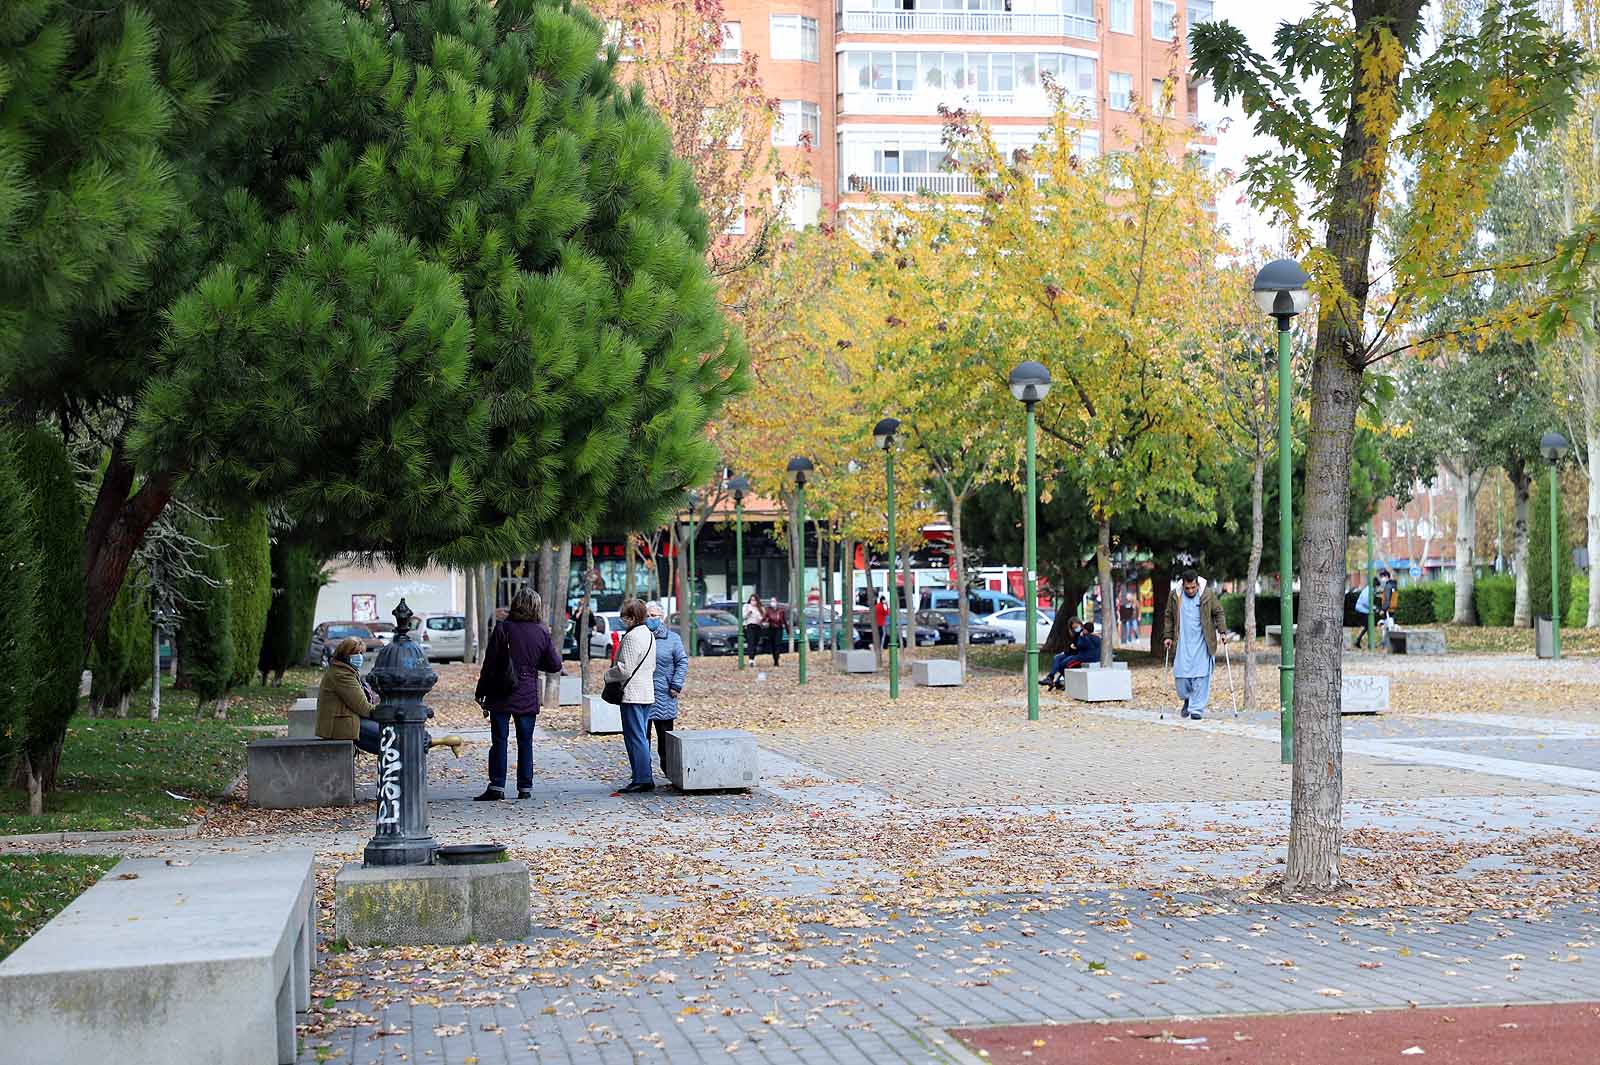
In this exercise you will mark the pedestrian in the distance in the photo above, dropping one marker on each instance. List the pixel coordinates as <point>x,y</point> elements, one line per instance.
<point>1130,616</point>
<point>773,624</point>
<point>671,671</point>
<point>524,638</point>
<point>881,614</point>
<point>752,625</point>
<point>1194,623</point>
<point>636,659</point>
<point>1363,611</point>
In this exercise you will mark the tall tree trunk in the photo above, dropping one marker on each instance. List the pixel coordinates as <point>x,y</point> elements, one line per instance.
<point>555,615</point>
<point>1521,489</point>
<point>1315,828</point>
<point>630,571</point>
<point>872,611</point>
<point>1592,450</point>
<point>1467,484</point>
<point>485,576</point>
<point>908,615</point>
<point>961,583</point>
<point>679,537</point>
<point>583,615</point>
<point>797,575</point>
<point>115,528</point>
<point>1108,609</point>
<point>1252,576</point>
<point>847,594</point>
<point>470,612</point>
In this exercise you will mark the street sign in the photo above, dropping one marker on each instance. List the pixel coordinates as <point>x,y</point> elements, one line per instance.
<point>1416,571</point>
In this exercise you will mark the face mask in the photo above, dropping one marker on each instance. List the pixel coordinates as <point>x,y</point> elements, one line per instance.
<point>357,660</point>
<point>653,624</point>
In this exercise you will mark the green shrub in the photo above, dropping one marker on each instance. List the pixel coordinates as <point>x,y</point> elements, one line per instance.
<point>19,590</point>
<point>120,658</point>
<point>207,629</point>
<point>1539,554</point>
<point>1233,607</point>
<point>296,577</point>
<point>1578,605</point>
<point>245,542</point>
<point>1444,600</point>
<point>1495,600</point>
<point>1414,605</point>
<point>58,619</point>
<point>1268,607</point>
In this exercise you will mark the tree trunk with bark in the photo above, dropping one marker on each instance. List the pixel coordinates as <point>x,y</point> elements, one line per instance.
<point>630,570</point>
<point>470,611</point>
<point>115,528</point>
<point>586,605</point>
<point>1468,481</point>
<point>872,614</point>
<point>962,607</point>
<point>555,612</point>
<point>680,539</point>
<point>1592,450</point>
<point>1108,609</point>
<point>1252,576</point>
<point>907,615</point>
<point>1521,490</point>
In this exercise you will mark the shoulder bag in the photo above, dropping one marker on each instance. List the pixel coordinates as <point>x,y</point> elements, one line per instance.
<point>502,680</point>
<point>615,682</point>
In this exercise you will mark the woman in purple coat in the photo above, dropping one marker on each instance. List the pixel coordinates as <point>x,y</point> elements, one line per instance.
<point>522,635</point>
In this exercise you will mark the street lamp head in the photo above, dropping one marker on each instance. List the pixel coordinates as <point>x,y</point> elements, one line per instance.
<point>738,486</point>
<point>883,432</point>
<point>800,466</point>
<point>1553,446</point>
<point>1030,382</point>
<point>1280,289</point>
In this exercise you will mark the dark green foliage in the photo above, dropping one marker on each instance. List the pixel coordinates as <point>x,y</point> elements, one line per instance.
<point>244,540</point>
<point>121,656</point>
<point>207,639</point>
<point>1495,599</point>
<point>19,584</point>
<point>1444,600</point>
<point>312,577</point>
<point>1578,601</point>
<point>1414,605</point>
<point>296,576</point>
<point>46,473</point>
<point>1539,552</point>
<point>1233,607</point>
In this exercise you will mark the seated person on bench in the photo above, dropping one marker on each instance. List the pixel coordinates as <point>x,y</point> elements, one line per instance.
<point>1085,651</point>
<point>345,703</point>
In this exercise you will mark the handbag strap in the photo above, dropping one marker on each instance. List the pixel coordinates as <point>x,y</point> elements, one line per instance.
<point>636,668</point>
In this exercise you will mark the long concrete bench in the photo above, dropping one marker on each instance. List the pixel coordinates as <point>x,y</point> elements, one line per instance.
<point>1099,684</point>
<point>301,774</point>
<point>936,673</point>
<point>711,759</point>
<point>1416,641</point>
<point>183,964</point>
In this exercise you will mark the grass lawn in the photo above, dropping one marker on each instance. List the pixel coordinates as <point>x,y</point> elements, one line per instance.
<point>1477,640</point>
<point>133,773</point>
<point>35,887</point>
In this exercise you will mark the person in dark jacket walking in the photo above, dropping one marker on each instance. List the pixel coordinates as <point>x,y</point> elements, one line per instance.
<point>525,638</point>
<point>774,621</point>
<point>671,671</point>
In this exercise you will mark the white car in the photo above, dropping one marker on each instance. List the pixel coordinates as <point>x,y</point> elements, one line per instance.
<point>606,628</point>
<point>1015,621</point>
<point>445,636</point>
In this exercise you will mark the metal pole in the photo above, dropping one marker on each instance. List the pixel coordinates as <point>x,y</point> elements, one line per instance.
<point>1372,600</point>
<point>1555,571</point>
<point>800,565</point>
<point>1029,565</point>
<point>738,565</point>
<point>1285,551</point>
<point>894,597</point>
<point>155,673</point>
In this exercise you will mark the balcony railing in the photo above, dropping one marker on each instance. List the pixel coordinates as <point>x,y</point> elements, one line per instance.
<point>1005,23</point>
<point>910,184</point>
<point>1026,101</point>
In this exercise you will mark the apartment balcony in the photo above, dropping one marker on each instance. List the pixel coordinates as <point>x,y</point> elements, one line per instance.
<point>960,23</point>
<point>1032,101</point>
<point>911,184</point>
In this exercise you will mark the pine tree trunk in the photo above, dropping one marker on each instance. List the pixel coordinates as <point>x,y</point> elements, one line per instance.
<point>122,705</point>
<point>1522,490</point>
<point>556,616</point>
<point>35,785</point>
<point>1467,484</point>
<point>630,566</point>
<point>1103,568</point>
<point>872,613</point>
<point>583,616</point>
<point>219,708</point>
<point>1252,576</point>
<point>1592,449</point>
<point>115,528</point>
<point>469,609</point>
<point>961,583</point>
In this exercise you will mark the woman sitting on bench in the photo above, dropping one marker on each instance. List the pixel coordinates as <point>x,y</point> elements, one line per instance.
<point>1085,651</point>
<point>345,703</point>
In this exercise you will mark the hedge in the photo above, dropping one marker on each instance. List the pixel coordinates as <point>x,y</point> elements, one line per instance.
<point>207,629</point>
<point>1577,605</point>
<point>1495,600</point>
<point>245,542</point>
<point>1444,600</point>
<point>19,590</point>
<point>1414,605</point>
<point>1268,608</point>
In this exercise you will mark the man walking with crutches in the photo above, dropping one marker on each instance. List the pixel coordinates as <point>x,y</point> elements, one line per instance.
<point>1193,624</point>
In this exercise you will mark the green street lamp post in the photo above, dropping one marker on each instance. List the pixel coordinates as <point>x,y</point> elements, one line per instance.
<point>739,486</point>
<point>1553,446</point>
<point>1280,291</point>
<point>883,436</point>
<point>1030,383</point>
<point>800,466</point>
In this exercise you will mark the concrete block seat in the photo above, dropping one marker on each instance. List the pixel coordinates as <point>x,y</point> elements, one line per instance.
<point>1416,641</point>
<point>184,964</point>
<point>1099,684</point>
<point>298,774</point>
<point>418,905</point>
<point>303,719</point>
<point>1363,694</point>
<point>936,673</point>
<point>862,661</point>
<point>711,759</point>
<point>600,717</point>
<point>571,693</point>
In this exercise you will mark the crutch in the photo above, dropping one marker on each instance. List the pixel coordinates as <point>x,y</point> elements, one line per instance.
<point>1227,660</point>
<point>1166,665</point>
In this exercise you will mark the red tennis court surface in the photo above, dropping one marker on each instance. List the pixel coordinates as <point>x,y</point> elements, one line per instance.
<point>1478,1035</point>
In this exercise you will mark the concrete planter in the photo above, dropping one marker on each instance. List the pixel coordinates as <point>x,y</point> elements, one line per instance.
<point>600,717</point>
<point>1099,684</point>
<point>936,673</point>
<point>855,661</point>
<point>712,760</point>
<point>420,905</point>
<point>571,690</point>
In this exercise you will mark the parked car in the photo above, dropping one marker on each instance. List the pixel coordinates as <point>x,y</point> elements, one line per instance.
<point>1015,621</point>
<point>716,632</point>
<point>948,624</point>
<point>326,636</point>
<point>821,627</point>
<point>383,630</point>
<point>861,626</point>
<point>979,602</point>
<point>444,636</point>
<point>605,634</point>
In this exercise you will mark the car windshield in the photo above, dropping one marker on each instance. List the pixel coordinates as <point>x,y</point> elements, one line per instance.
<point>339,632</point>
<point>714,617</point>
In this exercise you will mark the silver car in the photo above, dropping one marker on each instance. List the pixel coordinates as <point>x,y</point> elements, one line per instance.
<point>444,636</point>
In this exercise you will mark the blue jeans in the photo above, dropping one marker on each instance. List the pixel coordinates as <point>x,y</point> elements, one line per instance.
<point>367,738</point>
<point>500,734</point>
<point>635,723</point>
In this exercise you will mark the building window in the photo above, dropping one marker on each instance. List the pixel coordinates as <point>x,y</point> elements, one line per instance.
<point>1122,16</point>
<point>732,43</point>
<point>803,206</point>
<point>797,119</point>
<point>794,37</point>
<point>1160,98</point>
<point>1201,11</point>
<point>1162,15</point>
<point>1117,167</point>
<point>1121,91</point>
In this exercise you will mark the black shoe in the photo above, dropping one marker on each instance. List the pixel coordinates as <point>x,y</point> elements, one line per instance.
<point>524,793</point>
<point>490,795</point>
<point>634,789</point>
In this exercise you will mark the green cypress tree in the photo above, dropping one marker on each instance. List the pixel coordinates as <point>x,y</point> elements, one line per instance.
<point>246,543</point>
<point>289,621</point>
<point>207,630</point>
<point>46,474</point>
<point>1539,552</point>
<point>120,658</point>
<point>19,590</point>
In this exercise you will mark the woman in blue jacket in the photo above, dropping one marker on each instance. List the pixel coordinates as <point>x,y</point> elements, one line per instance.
<point>672,669</point>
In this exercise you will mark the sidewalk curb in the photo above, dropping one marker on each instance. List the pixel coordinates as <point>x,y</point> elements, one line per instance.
<point>180,832</point>
<point>940,1042</point>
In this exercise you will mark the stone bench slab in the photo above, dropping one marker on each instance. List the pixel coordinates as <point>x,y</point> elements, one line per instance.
<point>936,673</point>
<point>198,963</point>
<point>420,905</point>
<point>1099,684</point>
<point>571,691</point>
<point>1363,694</point>
<point>600,717</point>
<point>711,759</point>
<point>1416,641</point>
<point>303,722</point>
<point>300,774</point>
<point>863,661</point>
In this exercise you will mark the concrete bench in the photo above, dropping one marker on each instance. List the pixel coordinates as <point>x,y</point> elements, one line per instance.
<point>183,964</point>
<point>1363,695</point>
<point>1099,684</point>
<point>301,774</point>
<point>571,691</point>
<point>863,661</point>
<point>936,673</point>
<point>303,719</point>
<point>711,759</point>
<point>1416,641</point>
<point>600,717</point>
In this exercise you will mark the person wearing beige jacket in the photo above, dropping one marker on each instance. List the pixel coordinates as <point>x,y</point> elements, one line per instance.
<point>345,703</point>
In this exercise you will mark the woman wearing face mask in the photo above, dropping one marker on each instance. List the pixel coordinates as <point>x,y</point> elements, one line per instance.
<point>672,668</point>
<point>345,703</point>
